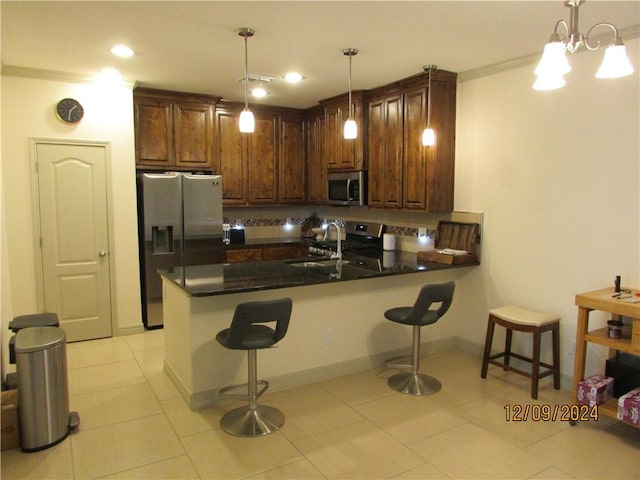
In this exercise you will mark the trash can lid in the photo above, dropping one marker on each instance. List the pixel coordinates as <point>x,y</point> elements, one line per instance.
<point>35,339</point>
<point>45,319</point>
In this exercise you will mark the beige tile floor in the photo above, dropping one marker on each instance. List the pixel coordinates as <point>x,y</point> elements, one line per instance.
<point>135,425</point>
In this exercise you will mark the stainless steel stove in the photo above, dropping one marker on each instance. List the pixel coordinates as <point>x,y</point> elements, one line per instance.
<point>362,239</point>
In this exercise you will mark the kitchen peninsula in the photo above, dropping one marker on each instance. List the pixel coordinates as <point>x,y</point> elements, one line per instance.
<point>337,325</point>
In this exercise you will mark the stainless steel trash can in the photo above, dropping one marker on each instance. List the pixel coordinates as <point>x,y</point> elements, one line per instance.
<point>43,391</point>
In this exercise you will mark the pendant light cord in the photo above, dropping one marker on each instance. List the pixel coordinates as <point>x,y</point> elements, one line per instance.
<point>429,99</point>
<point>246,74</point>
<point>350,103</point>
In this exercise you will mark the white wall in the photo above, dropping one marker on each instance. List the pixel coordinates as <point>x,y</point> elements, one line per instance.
<point>28,110</point>
<point>557,176</point>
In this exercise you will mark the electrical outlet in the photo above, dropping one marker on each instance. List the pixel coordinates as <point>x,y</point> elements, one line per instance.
<point>572,347</point>
<point>422,232</point>
<point>327,337</point>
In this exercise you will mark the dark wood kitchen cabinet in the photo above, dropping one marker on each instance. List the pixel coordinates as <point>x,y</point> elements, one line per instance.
<point>265,167</point>
<point>385,139</point>
<point>291,166</point>
<point>316,167</point>
<point>173,130</point>
<point>246,161</point>
<point>230,158</point>
<point>403,173</point>
<point>277,251</point>
<point>344,154</point>
<point>428,179</point>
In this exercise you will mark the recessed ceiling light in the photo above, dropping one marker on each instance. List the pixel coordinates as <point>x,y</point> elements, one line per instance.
<point>293,77</point>
<point>122,51</point>
<point>259,92</point>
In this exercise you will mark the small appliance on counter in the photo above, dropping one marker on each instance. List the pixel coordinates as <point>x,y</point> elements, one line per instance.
<point>236,236</point>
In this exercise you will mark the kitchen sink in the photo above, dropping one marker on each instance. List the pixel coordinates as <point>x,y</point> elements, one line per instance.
<point>316,263</point>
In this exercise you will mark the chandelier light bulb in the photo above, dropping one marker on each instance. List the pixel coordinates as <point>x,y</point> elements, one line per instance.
<point>615,63</point>
<point>247,123</point>
<point>350,129</point>
<point>554,60</point>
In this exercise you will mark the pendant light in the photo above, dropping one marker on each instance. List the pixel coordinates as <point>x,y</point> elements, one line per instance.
<point>429,135</point>
<point>247,123</point>
<point>350,127</point>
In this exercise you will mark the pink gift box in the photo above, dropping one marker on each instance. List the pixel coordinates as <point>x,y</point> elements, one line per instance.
<point>629,407</point>
<point>595,390</point>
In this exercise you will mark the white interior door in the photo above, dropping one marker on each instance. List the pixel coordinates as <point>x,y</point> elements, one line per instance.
<point>72,198</point>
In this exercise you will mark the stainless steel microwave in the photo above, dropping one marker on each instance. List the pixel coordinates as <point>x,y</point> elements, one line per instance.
<point>347,188</point>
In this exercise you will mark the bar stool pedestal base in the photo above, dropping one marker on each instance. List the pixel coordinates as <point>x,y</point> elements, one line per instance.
<point>414,384</point>
<point>247,422</point>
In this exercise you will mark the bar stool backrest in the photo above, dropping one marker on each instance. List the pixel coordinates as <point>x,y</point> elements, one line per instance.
<point>429,294</point>
<point>250,313</point>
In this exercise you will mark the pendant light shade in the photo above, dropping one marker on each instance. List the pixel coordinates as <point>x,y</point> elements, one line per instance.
<point>615,63</point>
<point>554,60</point>
<point>350,130</point>
<point>429,134</point>
<point>247,123</point>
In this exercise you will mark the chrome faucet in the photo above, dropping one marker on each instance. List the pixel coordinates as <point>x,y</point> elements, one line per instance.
<point>338,254</point>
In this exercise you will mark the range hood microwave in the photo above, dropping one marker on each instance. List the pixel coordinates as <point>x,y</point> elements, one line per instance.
<point>347,188</point>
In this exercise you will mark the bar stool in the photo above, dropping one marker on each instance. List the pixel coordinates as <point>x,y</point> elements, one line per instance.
<point>415,383</point>
<point>523,320</point>
<point>247,333</point>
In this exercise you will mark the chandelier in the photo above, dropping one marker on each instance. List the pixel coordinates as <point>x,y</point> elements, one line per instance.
<point>554,64</point>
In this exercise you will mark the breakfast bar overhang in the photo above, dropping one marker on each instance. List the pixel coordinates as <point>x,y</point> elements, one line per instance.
<point>337,325</point>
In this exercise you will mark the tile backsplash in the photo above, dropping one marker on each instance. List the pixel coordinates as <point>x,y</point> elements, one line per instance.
<point>286,222</point>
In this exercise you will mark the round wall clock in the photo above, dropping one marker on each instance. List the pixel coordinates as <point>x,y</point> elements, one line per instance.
<point>69,110</point>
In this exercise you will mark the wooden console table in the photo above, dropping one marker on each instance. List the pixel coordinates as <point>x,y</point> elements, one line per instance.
<point>601,300</point>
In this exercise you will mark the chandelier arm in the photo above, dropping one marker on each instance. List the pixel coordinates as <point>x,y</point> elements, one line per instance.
<point>602,24</point>
<point>566,27</point>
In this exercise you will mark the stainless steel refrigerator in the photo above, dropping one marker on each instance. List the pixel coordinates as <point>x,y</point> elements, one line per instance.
<point>179,224</point>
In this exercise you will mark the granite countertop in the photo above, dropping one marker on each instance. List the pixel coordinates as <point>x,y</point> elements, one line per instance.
<point>257,242</point>
<point>228,278</point>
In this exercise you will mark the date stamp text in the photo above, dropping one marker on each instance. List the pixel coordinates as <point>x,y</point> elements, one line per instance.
<point>550,413</point>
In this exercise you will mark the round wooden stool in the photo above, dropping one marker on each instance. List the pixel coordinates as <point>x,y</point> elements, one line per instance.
<point>523,320</point>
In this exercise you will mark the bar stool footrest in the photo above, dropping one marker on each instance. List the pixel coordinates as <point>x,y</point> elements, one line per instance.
<point>393,362</point>
<point>227,392</point>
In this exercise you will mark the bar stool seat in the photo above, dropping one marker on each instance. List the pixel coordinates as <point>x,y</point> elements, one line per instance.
<point>514,318</point>
<point>247,333</point>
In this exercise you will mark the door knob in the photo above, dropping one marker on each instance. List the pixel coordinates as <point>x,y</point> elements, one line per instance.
<point>102,253</point>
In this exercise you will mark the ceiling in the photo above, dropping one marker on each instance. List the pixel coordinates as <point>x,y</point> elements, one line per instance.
<point>194,46</point>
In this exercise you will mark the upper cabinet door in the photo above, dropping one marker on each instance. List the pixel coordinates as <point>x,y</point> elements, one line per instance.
<point>385,150</point>
<point>344,154</point>
<point>263,167</point>
<point>153,132</point>
<point>231,158</point>
<point>193,127</point>
<point>291,179</point>
<point>316,167</point>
